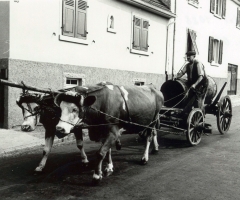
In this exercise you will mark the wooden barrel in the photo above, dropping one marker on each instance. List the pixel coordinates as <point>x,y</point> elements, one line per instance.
<point>174,91</point>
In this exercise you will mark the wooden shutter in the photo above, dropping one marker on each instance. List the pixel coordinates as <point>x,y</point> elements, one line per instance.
<point>210,49</point>
<point>81,19</point>
<point>238,17</point>
<point>68,17</point>
<point>212,6</point>
<point>223,9</point>
<point>136,33</point>
<point>144,36</point>
<point>193,36</point>
<point>220,52</point>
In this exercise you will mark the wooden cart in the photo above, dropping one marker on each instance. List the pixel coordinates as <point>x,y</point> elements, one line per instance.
<point>179,114</point>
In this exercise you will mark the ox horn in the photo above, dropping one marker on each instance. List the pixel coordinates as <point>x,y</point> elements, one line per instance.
<point>58,99</point>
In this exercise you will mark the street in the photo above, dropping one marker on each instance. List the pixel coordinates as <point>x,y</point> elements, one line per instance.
<point>210,170</point>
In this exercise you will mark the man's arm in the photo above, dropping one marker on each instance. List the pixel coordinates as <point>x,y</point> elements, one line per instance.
<point>200,72</point>
<point>200,78</point>
<point>182,72</point>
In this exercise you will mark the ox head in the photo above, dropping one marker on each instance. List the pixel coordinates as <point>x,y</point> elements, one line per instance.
<point>30,109</point>
<point>73,106</point>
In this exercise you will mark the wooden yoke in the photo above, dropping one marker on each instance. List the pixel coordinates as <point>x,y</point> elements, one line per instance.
<point>26,87</point>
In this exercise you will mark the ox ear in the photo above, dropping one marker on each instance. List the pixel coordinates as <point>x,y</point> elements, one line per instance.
<point>89,100</point>
<point>58,99</point>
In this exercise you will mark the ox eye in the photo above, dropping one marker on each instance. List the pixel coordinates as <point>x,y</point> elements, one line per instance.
<point>74,110</point>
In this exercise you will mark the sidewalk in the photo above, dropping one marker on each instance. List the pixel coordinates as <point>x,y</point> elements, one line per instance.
<point>14,141</point>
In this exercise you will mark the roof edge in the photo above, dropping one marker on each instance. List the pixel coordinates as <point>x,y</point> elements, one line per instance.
<point>237,2</point>
<point>151,8</point>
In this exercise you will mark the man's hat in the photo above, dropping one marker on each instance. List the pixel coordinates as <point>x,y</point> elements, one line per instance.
<point>191,53</point>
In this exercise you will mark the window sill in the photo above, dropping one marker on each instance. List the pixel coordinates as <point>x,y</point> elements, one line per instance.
<point>196,5</point>
<point>111,30</point>
<point>74,40</point>
<point>238,27</point>
<point>215,64</point>
<point>139,52</point>
<point>218,16</point>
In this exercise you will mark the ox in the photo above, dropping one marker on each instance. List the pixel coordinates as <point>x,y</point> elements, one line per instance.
<point>109,111</point>
<point>41,108</point>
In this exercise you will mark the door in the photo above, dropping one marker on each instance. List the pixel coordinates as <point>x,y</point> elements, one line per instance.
<point>232,79</point>
<point>2,76</point>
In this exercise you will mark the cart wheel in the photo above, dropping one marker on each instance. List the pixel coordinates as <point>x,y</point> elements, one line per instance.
<point>224,115</point>
<point>195,126</point>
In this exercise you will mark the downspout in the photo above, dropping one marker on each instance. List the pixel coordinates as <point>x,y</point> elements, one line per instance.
<point>166,72</point>
<point>174,33</point>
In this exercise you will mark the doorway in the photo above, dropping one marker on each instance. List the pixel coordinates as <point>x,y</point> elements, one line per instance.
<point>232,79</point>
<point>2,76</point>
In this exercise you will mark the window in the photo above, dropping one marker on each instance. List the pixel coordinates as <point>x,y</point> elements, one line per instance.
<point>72,82</point>
<point>238,18</point>
<point>73,79</point>
<point>191,41</point>
<point>111,24</point>
<point>195,3</point>
<point>74,20</point>
<point>140,35</point>
<point>139,81</point>
<point>215,51</point>
<point>218,8</point>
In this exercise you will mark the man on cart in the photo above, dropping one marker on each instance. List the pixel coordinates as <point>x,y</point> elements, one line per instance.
<point>196,78</point>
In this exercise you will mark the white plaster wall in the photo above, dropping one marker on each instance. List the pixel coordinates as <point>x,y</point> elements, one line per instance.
<point>206,24</point>
<point>34,22</point>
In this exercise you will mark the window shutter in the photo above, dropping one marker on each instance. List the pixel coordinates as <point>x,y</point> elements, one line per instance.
<point>223,9</point>
<point>193,36</point>
<point>81,19</point>
<point>68,18</point>
<point>144,38</point>
<point>210,49</point>
<point>212,6</point>
<point>136,33</point>
<point>220,52</point>
<point>238,17</point>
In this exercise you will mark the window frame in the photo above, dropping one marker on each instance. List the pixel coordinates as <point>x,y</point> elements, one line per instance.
<point>63,37</point>
<point>132,49</point>
<point>73,76</point>
<point>194,3</point>
<point>215,51</point>
<point>221,14</point>
<point>238,18</point>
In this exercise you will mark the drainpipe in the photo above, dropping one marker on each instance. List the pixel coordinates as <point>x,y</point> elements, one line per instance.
<point>166,72</point>
<point>174,32</point>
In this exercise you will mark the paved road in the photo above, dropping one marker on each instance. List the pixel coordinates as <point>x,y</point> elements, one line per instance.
<point>209,171</point>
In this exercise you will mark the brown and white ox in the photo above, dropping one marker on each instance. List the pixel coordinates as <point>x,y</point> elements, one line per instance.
<point>35,108</point>
<point>115,109</point>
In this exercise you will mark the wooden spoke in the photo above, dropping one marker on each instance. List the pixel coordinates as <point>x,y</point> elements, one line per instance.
<point>224,115</point>
<point>195,122</point>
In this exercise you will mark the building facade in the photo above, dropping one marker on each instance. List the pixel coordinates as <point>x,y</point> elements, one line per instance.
<point>212,29</point>
<point>60,43</point>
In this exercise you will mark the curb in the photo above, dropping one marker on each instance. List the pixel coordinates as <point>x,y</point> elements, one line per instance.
<point>19,150</point>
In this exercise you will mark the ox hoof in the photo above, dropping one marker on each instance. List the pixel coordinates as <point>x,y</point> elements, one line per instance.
<point>38,170</point>
<point>107,172</point>
<point>118,145</point>
<point>154,151</point>
<point>143,162</point>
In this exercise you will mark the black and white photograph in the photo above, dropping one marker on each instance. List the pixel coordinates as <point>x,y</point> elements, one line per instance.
<point>119,99</point>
